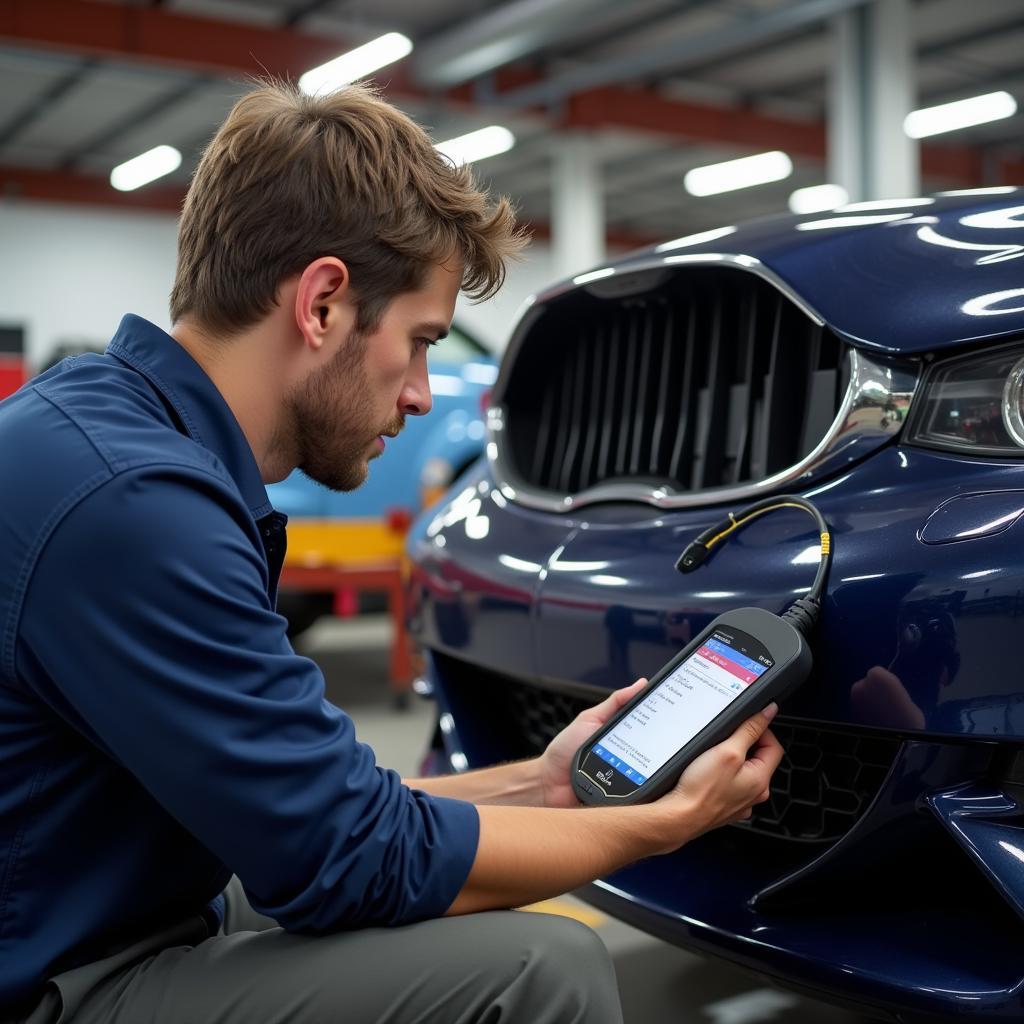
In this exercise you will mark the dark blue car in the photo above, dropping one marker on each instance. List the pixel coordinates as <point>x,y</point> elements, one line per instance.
<point>871,359</point>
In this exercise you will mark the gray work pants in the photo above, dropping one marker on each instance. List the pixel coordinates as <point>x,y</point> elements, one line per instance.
<point>501,967</point>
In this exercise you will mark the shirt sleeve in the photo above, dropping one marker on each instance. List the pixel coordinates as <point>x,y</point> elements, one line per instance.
<point>149,629</point>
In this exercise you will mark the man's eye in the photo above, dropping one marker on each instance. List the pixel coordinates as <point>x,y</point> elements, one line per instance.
<point>428,342</point>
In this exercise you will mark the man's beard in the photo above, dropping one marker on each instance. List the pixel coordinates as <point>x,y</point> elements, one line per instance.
<point>332,419</point>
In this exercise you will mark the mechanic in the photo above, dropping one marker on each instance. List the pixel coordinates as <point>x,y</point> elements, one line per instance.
<point>189,832</point>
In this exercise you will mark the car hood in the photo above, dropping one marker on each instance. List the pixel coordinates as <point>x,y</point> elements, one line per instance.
<point>904,277</point>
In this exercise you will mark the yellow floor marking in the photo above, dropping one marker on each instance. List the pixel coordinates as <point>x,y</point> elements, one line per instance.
<point>577,911</point>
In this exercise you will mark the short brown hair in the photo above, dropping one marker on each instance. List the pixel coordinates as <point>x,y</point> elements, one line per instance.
<point>289,178</point>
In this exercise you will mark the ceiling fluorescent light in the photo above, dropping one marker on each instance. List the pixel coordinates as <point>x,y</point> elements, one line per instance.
<point>818,198</point>
<point>950,117</point>
<point>478,145</point>
<point>144,168</point>
<point>735,174</point>
<point>356,64</point>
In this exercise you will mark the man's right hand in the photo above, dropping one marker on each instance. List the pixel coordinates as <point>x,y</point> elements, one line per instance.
<point>724,783</point>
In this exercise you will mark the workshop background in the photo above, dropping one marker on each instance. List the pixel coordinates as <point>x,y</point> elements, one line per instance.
<point>598,111</point>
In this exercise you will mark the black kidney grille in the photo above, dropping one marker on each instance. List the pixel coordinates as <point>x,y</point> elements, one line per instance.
<point>825,781</point>
<point>714,378</point>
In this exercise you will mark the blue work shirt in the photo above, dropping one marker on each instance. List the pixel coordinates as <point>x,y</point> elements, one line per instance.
<point>157,731</point>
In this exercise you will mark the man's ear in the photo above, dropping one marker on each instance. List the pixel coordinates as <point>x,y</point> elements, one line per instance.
<point>323,301</point>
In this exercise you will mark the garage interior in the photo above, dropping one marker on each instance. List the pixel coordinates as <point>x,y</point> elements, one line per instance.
<point>604,110</point>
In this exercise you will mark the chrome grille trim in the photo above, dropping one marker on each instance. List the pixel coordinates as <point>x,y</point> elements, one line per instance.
<point>860,424</point>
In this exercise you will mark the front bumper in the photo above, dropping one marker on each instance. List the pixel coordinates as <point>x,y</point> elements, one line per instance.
<point>909,902</point>
<point>910,913</point>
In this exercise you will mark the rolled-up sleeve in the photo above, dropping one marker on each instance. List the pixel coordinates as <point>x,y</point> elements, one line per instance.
<point>147,626</point>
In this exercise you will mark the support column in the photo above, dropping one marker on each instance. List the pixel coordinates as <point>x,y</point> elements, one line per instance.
<point>577,206</point>
<point>872,87</point>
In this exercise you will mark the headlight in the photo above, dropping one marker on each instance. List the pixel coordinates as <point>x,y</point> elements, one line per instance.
<point>974,403</point>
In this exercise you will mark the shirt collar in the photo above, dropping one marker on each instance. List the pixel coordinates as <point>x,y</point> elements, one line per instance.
<point>205,415</point>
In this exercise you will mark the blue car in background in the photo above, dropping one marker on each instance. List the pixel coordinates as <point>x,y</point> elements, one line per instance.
<point>369,524</point>
<point>871,359</point>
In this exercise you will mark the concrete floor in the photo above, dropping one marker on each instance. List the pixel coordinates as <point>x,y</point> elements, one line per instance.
<point>658,983</point>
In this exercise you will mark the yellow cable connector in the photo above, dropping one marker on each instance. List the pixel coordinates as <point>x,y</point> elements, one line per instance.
<point>826,543</point>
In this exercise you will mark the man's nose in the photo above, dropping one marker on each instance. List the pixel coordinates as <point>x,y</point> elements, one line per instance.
<point>415,398</point>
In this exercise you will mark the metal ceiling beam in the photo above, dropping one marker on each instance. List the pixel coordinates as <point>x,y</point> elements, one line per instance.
<point>136,119</point>
<point>154,34</point>
<point>69,187</point>
<point>976,86</point>
<point>151,34</point>
<point>801,35</point>
<point>646,110</point>
<point>799,85</point>
<point>231,49</point>
<point>499,37</point>
<point>819,30</point>
<point>677,55</point>
<point>163,103</point>
<point>636,20</point>
<point>61,187</point>
<point>40,104</point>
<point>303,11</point>
<point>65,187</point>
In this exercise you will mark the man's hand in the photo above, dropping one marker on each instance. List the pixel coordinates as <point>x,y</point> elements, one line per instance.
<point>724,783</point>
<point>530,853</point>
<point>555,764</point>
<point>541,781</point>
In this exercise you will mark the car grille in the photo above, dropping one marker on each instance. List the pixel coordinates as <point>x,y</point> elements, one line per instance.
<point>711,379</point>
<point>825,782</point>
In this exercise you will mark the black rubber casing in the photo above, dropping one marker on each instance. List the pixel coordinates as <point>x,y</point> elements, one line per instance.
<point>792,657</point>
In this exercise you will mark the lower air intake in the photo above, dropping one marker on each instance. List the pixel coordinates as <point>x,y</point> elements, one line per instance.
<point>825,782</point>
